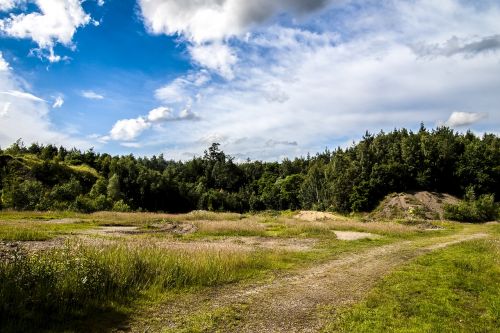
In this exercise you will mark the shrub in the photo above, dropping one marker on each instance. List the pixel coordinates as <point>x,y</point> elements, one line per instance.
<point>473,209</point>
<point>121,206</point>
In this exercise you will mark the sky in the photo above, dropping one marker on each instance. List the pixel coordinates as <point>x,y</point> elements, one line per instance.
<point>266,79</point>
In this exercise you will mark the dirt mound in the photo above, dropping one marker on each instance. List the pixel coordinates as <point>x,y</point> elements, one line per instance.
<point>315,216</point>
<point>416,205</point>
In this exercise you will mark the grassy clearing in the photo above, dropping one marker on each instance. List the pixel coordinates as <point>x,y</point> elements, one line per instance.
<point>115,272</point>
<point>452,290</point>
<point>59,286</point>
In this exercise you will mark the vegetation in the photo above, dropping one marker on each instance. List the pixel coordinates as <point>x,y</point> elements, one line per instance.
<point>453,290</point>
<point>345,180</point>
<point>60,285</point>
<point>473,209</point>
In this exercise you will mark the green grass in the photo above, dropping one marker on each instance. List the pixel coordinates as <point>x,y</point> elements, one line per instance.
<point>57,287</point>
<point>7,215</point>
<point>38,231</point>
<point>452,290</point>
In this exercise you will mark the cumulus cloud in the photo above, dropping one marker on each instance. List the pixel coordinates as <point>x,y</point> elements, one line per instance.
<point>58,102</point>
<point>458,119</point>
<point>297,90</point>
<point>89,94</point>
<point>208,24</point>
<point>131,129</point>
<point>24,115</point>
<point>159,114</point>
<point>214,20</point>
<point>56,22</point>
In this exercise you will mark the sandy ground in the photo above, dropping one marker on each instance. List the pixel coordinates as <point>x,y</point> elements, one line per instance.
<point>311,216</point>
<point>293,303</point>
<point>354,235</point>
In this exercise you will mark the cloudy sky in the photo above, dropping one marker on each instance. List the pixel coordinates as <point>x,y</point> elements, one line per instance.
<point>266,79</point>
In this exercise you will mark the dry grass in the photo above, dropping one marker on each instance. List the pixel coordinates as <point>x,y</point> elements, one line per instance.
<point>289,227</point>
<point>246,227</point>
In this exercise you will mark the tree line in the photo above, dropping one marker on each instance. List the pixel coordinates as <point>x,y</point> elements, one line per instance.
<point>352,179</point>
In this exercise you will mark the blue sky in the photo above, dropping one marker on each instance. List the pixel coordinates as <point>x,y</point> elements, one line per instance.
<point>266,79</point>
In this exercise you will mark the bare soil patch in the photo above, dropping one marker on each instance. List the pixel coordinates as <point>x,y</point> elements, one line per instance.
<point>170,228</point>
<point>308,215</point>
<point>417,205</point>
<point>354,235</point>
<point>63,221</point>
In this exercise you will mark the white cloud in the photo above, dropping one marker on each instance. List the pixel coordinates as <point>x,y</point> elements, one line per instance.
<point>6,5</point>
<point>56,22</point>
<point>27,116</point>
<point>159,114</point>
<point>182,89</point>
<point>4,65</point>
<point>458,119</point>
<point>214,20</point>
<point>215,56</point>
<point>208,24</point>
<point>58,102</point>
<point>100,3</point>
<point>89,94</point>
<point>296,91</point>
<point>5,109</point>
<point>129,129</point>
<point>22,95</point>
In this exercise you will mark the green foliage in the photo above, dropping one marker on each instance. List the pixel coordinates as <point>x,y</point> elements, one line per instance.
<point>25,195</point>
<point>121,206</point>
<point>113,188</point>
<point>345,180</point>
<point>473,209</point>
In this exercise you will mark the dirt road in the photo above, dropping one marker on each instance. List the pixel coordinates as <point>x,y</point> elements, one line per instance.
<point>294,303</point>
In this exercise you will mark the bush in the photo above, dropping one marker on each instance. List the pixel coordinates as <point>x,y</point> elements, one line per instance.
<point>471,209</point>
<point>121,206</point>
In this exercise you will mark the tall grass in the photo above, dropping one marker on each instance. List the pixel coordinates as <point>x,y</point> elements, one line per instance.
<point>60,285</point>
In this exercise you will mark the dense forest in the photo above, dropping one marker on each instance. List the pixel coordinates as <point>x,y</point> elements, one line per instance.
<point>46,177</point>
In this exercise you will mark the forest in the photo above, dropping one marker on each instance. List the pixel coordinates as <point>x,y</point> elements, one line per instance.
<point>352,179</point>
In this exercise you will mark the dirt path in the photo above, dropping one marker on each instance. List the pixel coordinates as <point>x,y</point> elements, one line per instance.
<point>293,303</point>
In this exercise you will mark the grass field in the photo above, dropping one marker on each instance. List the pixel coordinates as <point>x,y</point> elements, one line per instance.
<point>204,272</point>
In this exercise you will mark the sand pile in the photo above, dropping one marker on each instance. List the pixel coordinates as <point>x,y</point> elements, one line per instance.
<point>417,205</point>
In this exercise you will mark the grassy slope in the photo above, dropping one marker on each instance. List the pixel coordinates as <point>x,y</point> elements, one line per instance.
<point>456,289</point>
